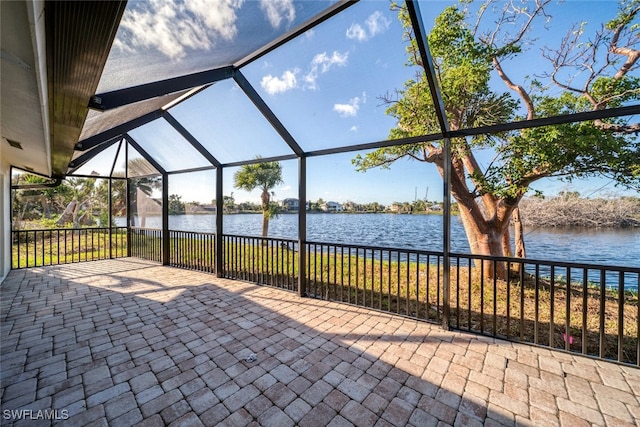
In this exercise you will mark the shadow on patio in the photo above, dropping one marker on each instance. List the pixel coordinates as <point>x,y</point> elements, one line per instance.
<point>127,342</point>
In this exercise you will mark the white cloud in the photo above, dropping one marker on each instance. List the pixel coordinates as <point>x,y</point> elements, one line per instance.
<point>171,28</point>
<point>274,85</point>
<point>218,16</point>
<point>321,63</point>
<point>278,11</point>
<point>327,62</point>
<point>354,128</point>
<point>375,24</point>
<point>355,31</point>
<point>345,110</point>
<point>348,110</point>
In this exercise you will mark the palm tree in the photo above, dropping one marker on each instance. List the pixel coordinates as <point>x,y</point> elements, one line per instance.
<point>264,176</point>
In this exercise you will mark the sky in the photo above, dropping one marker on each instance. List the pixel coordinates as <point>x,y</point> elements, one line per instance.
<point>326,87</point>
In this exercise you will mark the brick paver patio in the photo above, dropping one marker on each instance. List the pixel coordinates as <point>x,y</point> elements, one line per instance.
<point>125,342</point>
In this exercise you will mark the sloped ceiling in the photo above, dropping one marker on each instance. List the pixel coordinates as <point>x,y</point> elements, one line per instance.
<point>79,37</point>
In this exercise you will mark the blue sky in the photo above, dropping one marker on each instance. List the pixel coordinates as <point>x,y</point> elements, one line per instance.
<point>326,87</point>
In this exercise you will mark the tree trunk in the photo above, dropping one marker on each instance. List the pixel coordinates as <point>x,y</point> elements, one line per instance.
<point>265,224</point>
<point>521,251</point>
<point>485,219</point>
<point>506,243</point>
<point>485,239</point>
<point>69,214</point>
<point>266,198</point>
<point>491,245</point>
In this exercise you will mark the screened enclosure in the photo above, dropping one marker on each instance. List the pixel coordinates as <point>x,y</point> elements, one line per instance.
<point>491,100</point>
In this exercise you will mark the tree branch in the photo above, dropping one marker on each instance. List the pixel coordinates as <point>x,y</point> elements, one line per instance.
<point>631,54</point>
<point>618,128</point>
<point>517,88</point>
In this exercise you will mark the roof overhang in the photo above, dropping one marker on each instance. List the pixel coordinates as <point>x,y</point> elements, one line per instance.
<point>53,54</point>
<point>24,103</point>
<point>79,38</point>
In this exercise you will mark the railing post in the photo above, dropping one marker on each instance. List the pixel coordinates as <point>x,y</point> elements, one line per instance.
<point>128,197</point>
<point>446,234</point>
<point>302,226</point>
<point>109,219</point>
<point>219,242</point>
<point>166,249</point>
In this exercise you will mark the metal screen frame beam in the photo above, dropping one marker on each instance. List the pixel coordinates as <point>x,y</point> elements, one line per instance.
<point>115,160</point>
<point>489,129</point>
<point>79,161</point>
<point>375,145</point>
<point>302,226</point>
<point>199,169</point>
<point>190,138</point>
<point>219,224</point>
<point>420,33</point>
<point>117,131</point>
<point>166,242</point>
<point>268,114</point>
<point>145,155</point>
<point>128,198</point>
<point>549,121</point>
<point>261,160</point>
<point>110,207</point>
<point>95,176</point>
<point>117,98</point>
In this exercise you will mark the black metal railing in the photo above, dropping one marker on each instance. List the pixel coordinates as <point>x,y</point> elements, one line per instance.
<point>263,260</point>
<point>193,250</point>
<point>34,248</point>
<point>406,282</point>
<point>145,243</point>
<point>580,308</point>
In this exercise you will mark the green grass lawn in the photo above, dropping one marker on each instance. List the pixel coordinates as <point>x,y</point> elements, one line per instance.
<point>50,247</point>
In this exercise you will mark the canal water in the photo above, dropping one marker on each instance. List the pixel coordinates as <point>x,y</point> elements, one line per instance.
<point>608,246</point>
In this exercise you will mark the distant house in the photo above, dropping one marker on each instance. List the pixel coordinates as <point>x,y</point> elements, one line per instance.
<point>396,207</point>
<point>290,204</point>
<point>435,208</point>
<point>331,207</point>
